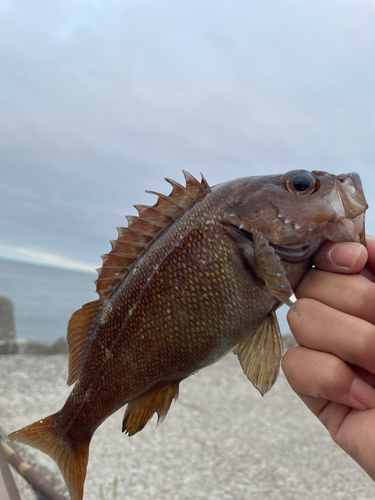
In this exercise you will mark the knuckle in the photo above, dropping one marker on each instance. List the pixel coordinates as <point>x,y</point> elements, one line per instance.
<point>289,363</point>
<point>288,359</point>
<point>307,284</point>
<point>333,379</point>
<point>300,325</point>
<point>303,306</point>
<point>360,292</point>
<point>364,344</point>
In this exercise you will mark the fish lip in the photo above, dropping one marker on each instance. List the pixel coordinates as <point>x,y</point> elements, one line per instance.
<point>349,206</point>
<point>347,229</point>
<point>348,187</point>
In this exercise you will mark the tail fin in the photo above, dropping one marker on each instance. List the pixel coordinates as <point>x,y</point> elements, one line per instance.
<point>70,458</point>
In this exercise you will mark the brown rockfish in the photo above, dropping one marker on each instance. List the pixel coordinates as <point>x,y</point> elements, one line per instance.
<point>193,277</point>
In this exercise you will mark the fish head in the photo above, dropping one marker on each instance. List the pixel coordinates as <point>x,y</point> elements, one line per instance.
<point>298,211</point>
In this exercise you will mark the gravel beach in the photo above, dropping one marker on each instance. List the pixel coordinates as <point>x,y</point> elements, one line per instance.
<point>221,441</point>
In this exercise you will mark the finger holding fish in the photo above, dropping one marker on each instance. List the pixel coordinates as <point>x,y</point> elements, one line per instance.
<point>333,369</point>
<point>341,396</point>
<point>347,258</point>
<point>352,294</point>
<point>337,315</point>
<point>326,329</point>
<point>344,258</point>
<point>343,401</point>
<point>323,377</point>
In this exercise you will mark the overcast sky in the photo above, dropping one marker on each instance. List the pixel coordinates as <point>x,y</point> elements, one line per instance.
<point>100,100</point>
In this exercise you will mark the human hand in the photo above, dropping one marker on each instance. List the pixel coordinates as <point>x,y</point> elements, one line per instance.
<point>333,368</point>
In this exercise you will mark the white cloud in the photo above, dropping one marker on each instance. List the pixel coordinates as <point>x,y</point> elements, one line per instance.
<point>103,98</point>
<point>45,259</point>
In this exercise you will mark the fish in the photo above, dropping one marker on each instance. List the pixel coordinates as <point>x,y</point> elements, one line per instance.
<point>190,279</point>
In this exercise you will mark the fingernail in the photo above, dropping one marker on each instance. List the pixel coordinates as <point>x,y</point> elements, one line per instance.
<point>363,393</point>
<point>345,255</point>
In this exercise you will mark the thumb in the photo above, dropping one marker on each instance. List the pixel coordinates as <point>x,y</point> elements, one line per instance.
<point>343,258</point>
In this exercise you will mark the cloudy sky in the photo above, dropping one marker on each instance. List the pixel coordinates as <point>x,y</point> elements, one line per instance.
<point>101,99</point>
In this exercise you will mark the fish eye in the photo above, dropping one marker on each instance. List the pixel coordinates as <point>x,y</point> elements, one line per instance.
<point>300,182</point>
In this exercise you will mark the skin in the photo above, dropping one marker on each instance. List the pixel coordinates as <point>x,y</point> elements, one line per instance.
<point>333,368</point>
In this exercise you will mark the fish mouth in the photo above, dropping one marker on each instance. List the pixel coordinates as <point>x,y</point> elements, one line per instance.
<point>349,206</point>
<point>349,230</point>
<point>292,252</point>
<point>296,252</point>
<point>345,229</point>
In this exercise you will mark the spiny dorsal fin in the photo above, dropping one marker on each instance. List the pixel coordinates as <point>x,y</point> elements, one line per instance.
<point>139,412</point>
<point>141,230</point>
<point>79,327</point>
<point>193,185</point>
<point>131,242</point>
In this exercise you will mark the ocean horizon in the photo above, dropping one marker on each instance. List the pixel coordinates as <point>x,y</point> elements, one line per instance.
<point>44,298</point>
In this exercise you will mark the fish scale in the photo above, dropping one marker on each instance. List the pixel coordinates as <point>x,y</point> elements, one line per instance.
<point>191,278</point>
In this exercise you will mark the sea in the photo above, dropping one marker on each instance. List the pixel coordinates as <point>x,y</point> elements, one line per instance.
<point>44,298</point>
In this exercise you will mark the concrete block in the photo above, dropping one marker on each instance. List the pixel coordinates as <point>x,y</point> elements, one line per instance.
<point>60,346</point>
<point>7,330</point>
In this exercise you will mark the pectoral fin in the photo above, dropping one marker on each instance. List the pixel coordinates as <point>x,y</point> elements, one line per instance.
<point>260,354</point>
<point>272,271</point>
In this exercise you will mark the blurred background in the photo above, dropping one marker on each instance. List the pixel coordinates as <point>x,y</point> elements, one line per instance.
<point>100,100</point>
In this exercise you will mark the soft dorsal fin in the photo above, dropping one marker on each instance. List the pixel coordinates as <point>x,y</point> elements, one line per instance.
<point>141,230</point>
<point>131,242</point>
<point>79,327</point>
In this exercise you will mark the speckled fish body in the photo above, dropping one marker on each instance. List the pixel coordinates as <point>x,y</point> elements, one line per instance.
<point>199,274</point>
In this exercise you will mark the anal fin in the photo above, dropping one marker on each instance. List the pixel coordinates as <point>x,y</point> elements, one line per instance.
<point>140,411</point>
<point>260,354</point>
